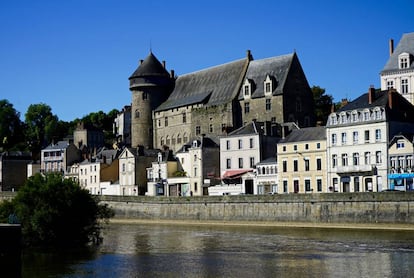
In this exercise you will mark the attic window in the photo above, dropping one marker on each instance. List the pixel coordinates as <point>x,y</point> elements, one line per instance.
<point>247,89</point>
<point>404,60</point>
<point>268,85</point>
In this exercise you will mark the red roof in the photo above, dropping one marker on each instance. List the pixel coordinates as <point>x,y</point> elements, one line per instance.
<point>235,173</point>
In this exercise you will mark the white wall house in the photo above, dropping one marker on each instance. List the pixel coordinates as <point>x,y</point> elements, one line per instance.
<point>398,72</point>
<point>127,172</point>
<point>266,176</point>
<point>401,162</point>
<point>357,140</point>
<point>89,176</point>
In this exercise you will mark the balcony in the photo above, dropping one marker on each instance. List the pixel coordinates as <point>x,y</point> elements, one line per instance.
<point>355,169</point>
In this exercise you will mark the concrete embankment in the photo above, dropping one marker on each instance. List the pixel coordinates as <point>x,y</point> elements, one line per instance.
<point>363,210</point>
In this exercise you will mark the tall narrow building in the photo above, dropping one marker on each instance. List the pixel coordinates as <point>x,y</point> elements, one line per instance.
<point>150,84</point>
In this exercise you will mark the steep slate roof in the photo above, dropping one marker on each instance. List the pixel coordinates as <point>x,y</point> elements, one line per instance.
<point>276,67</point>
<point>212,86</point>
<point>150,67</point>
<point>406,44</point>
<point>305,134</point>
<point>401,110</point>
<point>250,128</point>
<point>59,146</point>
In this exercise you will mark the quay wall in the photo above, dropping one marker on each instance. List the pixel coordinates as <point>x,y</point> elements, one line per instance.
<point>364,208</point>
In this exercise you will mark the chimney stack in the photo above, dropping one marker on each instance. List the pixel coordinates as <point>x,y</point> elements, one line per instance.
<point>140,61</point>
<point>391,46</point>
<point>332,108</point>
<point>249,55</point>
<point>391,97</point>
<point>163,64</point>
<point>371,94</point>
<point>344,102</point>
<point>172,74</point>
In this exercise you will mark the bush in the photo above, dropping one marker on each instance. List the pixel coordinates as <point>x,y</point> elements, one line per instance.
<point>56,211</point>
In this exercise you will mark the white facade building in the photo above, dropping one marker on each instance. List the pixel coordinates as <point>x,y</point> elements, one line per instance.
<point>127,172</point>
<point>266,177</point>
<point>357,140</point>
<point>89,176</point>
<point>398,73</point>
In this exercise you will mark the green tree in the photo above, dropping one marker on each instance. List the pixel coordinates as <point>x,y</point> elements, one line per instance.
<point>323,104</point>
<point>11,128</point>
<point>55,211</point>
<point>41,126</point>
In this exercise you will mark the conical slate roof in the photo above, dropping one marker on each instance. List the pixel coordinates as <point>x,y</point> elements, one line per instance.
<point>150,67</point>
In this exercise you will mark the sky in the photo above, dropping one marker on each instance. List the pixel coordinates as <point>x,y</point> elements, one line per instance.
<point>77,55</point>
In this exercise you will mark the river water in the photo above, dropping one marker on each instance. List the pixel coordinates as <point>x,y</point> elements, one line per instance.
<point>151,250</point>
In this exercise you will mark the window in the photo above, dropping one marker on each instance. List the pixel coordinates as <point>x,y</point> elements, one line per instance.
<point>344,159</point>
<point>227,144</point>
<point>343,138</point>
<point>295,165</point>
<point>184,117</point>
<point>137,113</point>
<point>251,162</point>
<point>308,185</point>
<point>284,166</point>
<point>377,114</point>
<point>228,163</point>
<point>378,157</point>
<point>306,164</point>
<point>284,148</point>
<point>240,162</point>
<point>123,167</point>
<point>285,186</point>
<point>355,137</point>
<point>334,140</point>
<point>356,184</point>
<point>378,135</point>
<point>318,164</point>
<point>268,87</point>
<point>400,144</point>
<point>355,117</point>
<point>295,147</point>
<point>246,88</point>
<point>251,143</point>
<point>318,145</point>
<point>319,185</point>
<point>273,120</point>
<point>404,86</point>
<point>166,121</point>
<point>366,136</point>
<point>306,146</point>
<point>367,158</point>
<point>195,187</point>
<point>246,108</point>
<point>240,144</point>
<point>144,96</point>
<point>195,171</point>
<point>355,158</point>
<point>403,62</point>
<point>211,128</point>
<point>268,105</point>
<point>159,122</point>
<point>390,84</point>
<point>334,120</point>
<point>334,160</point>
<point>198,130</point>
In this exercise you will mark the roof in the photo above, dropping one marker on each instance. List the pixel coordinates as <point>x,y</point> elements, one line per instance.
<point>212,86</point>
<point>276,67</point>
<point>361,102</point>
<point>270,160</point>
<point>253,127</point>
<point>406,44</point>
<point>232,174</point>
<point>58,146</point>
<point>305,134</point>
<point>150,67</point>
<point>205,142</point>
<point>408,136</point>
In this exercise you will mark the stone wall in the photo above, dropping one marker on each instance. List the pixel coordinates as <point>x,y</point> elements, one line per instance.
<point>387,207</point>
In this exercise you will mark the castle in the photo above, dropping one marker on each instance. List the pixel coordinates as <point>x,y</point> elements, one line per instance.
<point>169,111</point>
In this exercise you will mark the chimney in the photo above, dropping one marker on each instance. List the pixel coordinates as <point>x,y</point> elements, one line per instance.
<point>391,97</point>
<point>140,61</point>
<point>371,94</point>
<point>344,102</point>
<point>249,55</point>
<point>332,108</point>
<point>391,46</point>
<point>163,64</point>
<point>172,74</point>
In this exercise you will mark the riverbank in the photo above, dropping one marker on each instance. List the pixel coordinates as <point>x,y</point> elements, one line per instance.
<point>353,226</point>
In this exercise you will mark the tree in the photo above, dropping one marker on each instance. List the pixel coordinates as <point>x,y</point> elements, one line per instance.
<point>323,104</point>
<point>41,126</point>
<point>56,211</point>
<point>11,131</point>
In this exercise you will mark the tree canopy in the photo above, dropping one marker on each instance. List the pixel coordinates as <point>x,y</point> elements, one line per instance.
<point>11,128</point>
<point>323,104</point>
<point>55,211</point>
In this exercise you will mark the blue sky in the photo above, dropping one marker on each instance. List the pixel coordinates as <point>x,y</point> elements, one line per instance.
<point>76,55</point>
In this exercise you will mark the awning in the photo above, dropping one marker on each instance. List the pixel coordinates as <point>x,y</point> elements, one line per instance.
<point>233,174</point>
<point>401,175</point>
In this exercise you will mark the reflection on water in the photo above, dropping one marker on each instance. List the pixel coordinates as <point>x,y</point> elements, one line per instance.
<point>200,251</point>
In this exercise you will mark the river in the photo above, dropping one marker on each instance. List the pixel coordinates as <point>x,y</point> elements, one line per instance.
<point>156,250</point>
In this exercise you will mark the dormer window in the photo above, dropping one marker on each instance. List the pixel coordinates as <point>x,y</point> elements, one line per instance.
<point>268,85</point>
<point>247,88</point>
<point>404,60</point>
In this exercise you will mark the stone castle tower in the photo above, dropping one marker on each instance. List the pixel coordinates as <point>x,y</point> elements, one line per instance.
<point>150,84</point>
